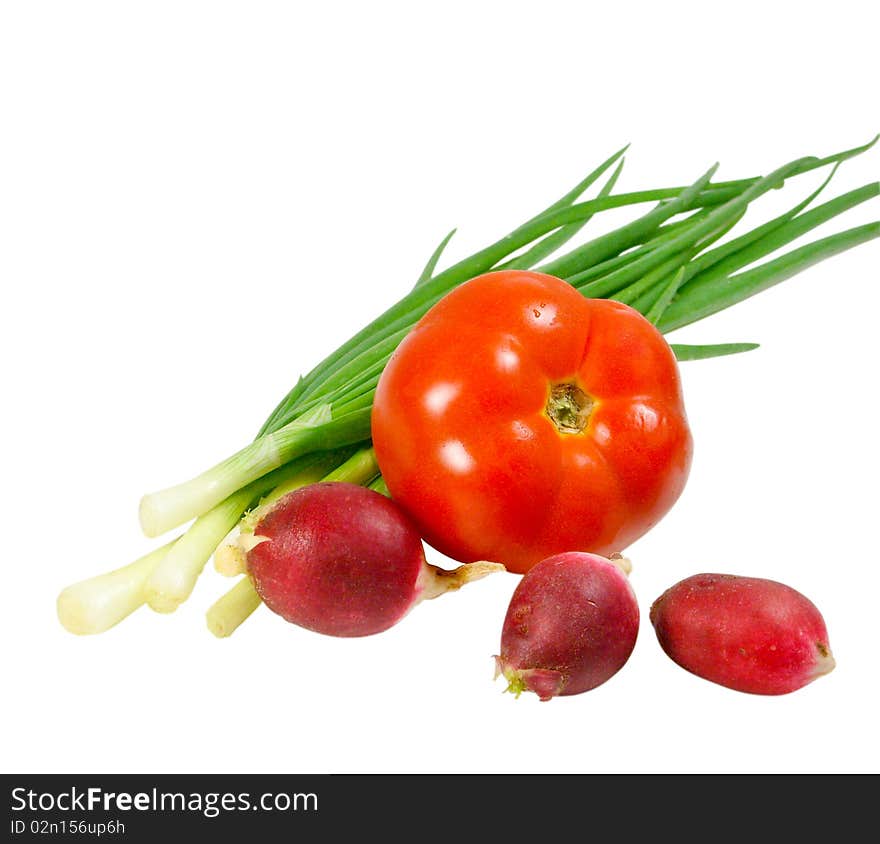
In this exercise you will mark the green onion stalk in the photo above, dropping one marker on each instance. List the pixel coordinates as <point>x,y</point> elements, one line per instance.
<point>671,263</point>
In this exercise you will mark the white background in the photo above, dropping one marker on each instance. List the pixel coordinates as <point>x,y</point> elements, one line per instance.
<point>200,200</point>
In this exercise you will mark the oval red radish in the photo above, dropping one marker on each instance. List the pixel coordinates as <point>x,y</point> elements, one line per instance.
<point>343,560</point>
<point>746,633</point>
<point>571,625</point>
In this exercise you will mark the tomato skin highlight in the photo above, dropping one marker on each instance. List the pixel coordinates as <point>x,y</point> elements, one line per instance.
<point>468,448</point>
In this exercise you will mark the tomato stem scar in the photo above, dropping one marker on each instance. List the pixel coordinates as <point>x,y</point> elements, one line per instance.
<point>569,408</point>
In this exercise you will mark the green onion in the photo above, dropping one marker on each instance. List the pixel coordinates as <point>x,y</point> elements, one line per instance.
<point>664,263</point>
<point>695,305</point>
<point>233,608</point>
<point>101,602</point>
<point>712,350</point>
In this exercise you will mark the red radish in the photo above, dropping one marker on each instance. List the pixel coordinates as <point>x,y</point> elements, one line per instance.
<point>746,633</point>
<point>571,625</point>
<point>343,560</point>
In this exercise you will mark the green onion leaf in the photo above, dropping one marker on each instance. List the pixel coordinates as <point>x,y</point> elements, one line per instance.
<point>685,352</point>
<point>697,304</point>
<point>552,242</point>
<point>428,271</point>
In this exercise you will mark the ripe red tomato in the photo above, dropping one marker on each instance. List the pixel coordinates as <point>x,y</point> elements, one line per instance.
<point>519,419</point>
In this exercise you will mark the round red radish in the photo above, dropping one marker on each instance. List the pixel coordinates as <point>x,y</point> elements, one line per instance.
<point>343,560</point>
<point>746,633</point>
<point>571,625</point>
